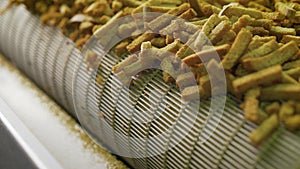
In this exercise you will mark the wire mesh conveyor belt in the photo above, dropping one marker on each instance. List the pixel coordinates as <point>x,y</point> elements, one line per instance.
<point>49,59</point>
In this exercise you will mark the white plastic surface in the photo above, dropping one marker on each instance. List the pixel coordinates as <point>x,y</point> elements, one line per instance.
<point>49,129</point>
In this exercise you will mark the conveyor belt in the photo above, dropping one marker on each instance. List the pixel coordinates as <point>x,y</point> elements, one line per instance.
<point>50,60</point>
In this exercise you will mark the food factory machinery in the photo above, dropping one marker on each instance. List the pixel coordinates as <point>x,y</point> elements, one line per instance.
<point>146,125</point>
